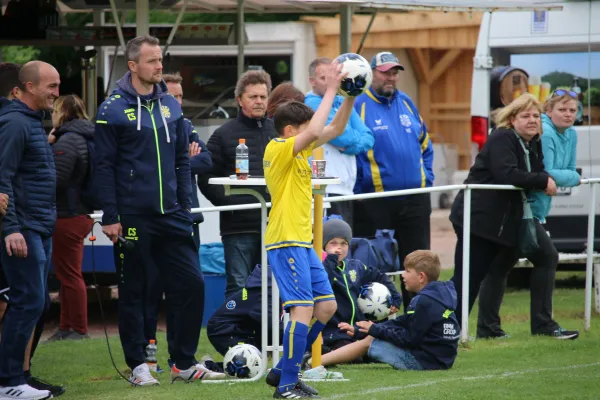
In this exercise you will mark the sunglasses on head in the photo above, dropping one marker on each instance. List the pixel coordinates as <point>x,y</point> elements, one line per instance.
<point>561,92</point>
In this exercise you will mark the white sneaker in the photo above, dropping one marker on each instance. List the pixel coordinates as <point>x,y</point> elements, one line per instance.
<point>23,392</point>
<point>196,372</point>
<point>141,376</point>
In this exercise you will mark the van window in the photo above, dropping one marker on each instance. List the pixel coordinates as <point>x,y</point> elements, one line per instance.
<point>564,70</point>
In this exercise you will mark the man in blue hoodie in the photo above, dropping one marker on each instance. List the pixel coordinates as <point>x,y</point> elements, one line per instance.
<point>340,153</point>
<point>425,338</point>
<point>28,178</point>
<point>143,172</point>
<point>402,158</point>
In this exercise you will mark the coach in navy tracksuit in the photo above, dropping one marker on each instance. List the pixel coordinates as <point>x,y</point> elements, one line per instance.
<point>347,276</point>
<point>238,320</point>
<point>144,174</point>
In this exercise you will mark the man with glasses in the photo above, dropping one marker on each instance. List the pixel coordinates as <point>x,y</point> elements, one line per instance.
<point>402,158</point>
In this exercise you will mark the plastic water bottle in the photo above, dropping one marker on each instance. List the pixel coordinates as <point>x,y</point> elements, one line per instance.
<point>151,355</point>
<point>241,160</point>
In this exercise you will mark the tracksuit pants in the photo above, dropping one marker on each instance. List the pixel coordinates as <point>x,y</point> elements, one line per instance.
<point>167,240</point>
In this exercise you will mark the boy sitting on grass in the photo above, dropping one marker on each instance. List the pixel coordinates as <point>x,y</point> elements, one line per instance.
<point>425,338</point>
<point>347,276</point>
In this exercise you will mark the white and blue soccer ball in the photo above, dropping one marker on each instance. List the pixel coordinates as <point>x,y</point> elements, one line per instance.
<point>359,76</point>
<point>242,361</point>
<point>375,301</point>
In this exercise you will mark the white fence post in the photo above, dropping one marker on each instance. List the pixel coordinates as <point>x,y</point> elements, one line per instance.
<point>466,268</point>
<point>590,258</point>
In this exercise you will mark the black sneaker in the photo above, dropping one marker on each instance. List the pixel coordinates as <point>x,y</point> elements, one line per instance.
<point>564,334</point>
<point>273,380</point>
<point>305,364</point>
<point>41,385</point>
<point>295,393</point>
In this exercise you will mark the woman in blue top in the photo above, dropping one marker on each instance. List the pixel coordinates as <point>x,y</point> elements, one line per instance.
<point>559,147</point>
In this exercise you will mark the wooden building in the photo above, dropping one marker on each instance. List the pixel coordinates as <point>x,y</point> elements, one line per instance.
<point>437,51</point>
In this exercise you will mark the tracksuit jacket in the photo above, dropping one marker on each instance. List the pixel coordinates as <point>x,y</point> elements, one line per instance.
<point>402,157</point>
<point>346,282</point>
<point>150,171</point>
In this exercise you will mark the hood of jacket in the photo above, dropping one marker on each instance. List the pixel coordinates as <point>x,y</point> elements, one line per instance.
<point>125,85</point>
<point>10,106</point>
<point>82,127</point>
<point>442,292</point>
<point>125,88</point>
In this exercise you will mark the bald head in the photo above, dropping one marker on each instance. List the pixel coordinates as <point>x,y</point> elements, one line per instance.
<point>39,83</point>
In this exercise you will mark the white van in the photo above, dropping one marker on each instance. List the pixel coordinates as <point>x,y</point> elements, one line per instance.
<point>553,47</point>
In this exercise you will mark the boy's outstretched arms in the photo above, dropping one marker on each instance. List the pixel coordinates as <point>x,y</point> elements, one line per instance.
<point>316,127</point>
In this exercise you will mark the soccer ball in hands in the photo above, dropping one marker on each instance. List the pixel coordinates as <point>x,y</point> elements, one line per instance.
<point>242,361</point>
<point>375,301</point>
<point>359,76</point>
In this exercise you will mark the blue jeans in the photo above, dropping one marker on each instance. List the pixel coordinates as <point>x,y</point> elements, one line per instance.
<point>242,253</point>
<point>27,278</point>
<point>397,357</point>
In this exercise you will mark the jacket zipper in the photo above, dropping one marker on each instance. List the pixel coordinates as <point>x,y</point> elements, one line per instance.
<point>348,291</point>
<point>160,191</point>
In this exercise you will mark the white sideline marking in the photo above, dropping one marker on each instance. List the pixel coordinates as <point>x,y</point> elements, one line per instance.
<point>463,378</point>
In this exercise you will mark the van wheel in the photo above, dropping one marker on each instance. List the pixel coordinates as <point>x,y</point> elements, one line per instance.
<point>444,201</point>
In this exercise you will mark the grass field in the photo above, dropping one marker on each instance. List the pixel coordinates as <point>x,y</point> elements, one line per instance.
<point>520,367</point>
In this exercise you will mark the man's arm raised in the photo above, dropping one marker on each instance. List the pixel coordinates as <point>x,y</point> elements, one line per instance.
<point>317,123</point>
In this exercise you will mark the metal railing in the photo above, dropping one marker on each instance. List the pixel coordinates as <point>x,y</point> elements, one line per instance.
<point>468,188</point>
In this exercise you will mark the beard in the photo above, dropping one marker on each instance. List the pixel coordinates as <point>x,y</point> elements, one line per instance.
<point>383,92</point>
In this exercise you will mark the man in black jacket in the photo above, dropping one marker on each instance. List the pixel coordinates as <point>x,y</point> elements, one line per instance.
<point>26,165</point>
<point>240,230</point>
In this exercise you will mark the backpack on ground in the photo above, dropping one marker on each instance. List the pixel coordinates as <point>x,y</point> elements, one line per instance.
<point>380,252</point>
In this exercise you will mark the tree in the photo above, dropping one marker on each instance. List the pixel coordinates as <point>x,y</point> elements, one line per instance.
<point>19,54</point>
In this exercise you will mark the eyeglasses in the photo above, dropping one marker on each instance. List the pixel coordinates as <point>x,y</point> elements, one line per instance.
<point>561,92</point>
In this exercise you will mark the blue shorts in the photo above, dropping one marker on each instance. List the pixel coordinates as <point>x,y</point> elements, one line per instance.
<point>390,354</point>
<point>300,276</point>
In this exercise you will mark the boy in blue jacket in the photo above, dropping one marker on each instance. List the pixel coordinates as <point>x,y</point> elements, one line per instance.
<point>347,276</point>
<point>425,338</point>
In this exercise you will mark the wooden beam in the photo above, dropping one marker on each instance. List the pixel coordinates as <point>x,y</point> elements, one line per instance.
<point>397,22</point>
<point>420,60</point>
<point>450,117</point>
<point>444,63</point>
<point>450,106</point>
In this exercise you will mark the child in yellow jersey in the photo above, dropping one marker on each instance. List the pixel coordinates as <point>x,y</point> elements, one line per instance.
<point>303,283</point>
